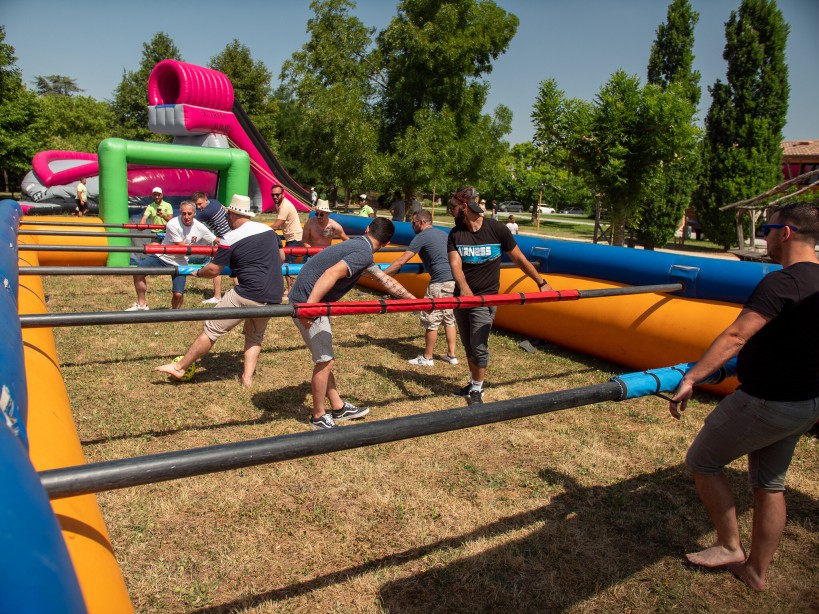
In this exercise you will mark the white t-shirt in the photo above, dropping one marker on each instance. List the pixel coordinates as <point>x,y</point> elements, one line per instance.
<point>176,232</point>
<point>513,227</point>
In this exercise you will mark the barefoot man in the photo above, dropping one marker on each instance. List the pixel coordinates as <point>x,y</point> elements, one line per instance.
<point>777,342</point>
<point>254,254</point>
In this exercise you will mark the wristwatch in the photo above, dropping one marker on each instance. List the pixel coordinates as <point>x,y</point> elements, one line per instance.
<point>542,283</point>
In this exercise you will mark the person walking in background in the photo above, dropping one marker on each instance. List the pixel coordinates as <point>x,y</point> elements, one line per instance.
<point>82,198</point>
<point>253,253</point>
<point>475,246</point>
<point>430,243</point>
<point>776,341</point>
<point>511,225</point>
<point>328,276</point>
<point>397,207</point>
<point>364,207</point>
<point>287,220</point>
<point>182,230</point>
<point>313,198</point>
<point>212,214</point>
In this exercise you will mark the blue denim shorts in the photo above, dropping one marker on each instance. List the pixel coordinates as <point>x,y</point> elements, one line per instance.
<point>177,281</point>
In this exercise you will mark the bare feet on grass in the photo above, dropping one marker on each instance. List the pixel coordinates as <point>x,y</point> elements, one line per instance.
<point>246,382</point>
<point>717,556</point>
<point>171,369</point>
<point>749,577</point>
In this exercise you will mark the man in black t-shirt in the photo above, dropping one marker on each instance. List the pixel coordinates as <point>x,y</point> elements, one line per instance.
<point>777,340</point>
<point>475,247</point>
<point>254,254</point>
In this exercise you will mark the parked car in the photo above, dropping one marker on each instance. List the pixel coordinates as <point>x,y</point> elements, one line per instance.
<point>544,210</point>
<point>573,211</point>
<point>510,206</point>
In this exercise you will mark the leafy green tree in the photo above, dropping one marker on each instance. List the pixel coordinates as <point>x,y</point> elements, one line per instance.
<point>434,55</point>
<point>73,123</point>
<point>18,138</point>
<point>671,64</point>
<point>130,104</point>
<point>743,128</point>
<point>251,86</point>
<point>56,85</point>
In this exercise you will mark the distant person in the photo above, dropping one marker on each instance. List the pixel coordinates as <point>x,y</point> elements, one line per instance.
<point>212,214</point>
<point>287,220</point>
<point>82,198</point>
<point>494,208</point>
<point>511,224</point>
<point>776,342</point>
<point>364,207</point>
<point>160,212</point>
<point>475,247</point>
<point>328,276</point>
<point>253,253</point>
<point>397,207</point>
<point>182,230</point>
<point>320,230</point>
<point>430,244</point>
<point>313,198</point>
<point>415,207</point>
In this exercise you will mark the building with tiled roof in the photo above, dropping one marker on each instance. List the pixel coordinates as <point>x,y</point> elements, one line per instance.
<point>799,157</point>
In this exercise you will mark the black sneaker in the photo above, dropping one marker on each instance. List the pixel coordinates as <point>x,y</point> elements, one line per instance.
<point>463,392</point>
<point>324,422</point>
<point>475,397</point>
<point>349,411</point>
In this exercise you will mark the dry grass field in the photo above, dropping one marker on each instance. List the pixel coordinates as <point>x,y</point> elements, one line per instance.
<point>584,510</point>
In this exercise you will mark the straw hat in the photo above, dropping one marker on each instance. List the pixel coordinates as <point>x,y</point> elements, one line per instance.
<point>240,205</point>
<point>323,205</point>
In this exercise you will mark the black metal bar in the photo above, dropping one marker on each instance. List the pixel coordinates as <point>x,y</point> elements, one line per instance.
<point>95,270</point>
<point>69,233</point>
<point>24,222</point>
<point>627,290</point>
<point>126,249</point>
<point>125,473</point>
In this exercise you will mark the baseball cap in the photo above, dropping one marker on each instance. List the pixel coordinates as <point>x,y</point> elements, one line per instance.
<point>155,190</point>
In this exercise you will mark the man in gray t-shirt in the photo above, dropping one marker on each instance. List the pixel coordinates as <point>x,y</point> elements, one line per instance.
<point>430,244</point>
<point>327,277</point>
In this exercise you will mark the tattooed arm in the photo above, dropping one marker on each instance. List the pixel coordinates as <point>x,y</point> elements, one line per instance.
<point>391,286</point>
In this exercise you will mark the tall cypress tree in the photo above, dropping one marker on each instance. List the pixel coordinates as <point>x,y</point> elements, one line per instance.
<point>741,152</point>
<point>671,63</point>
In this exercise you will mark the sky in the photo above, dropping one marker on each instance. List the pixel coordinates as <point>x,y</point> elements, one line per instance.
<point>579,43</point>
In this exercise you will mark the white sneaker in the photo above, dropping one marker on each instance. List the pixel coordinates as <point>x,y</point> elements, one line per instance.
<point>211,301</point>
<point>450,359</point>
<point>421,361</point>
<point>138,307</point>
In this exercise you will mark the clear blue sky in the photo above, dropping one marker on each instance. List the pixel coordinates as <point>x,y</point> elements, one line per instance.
<point>580,43</point>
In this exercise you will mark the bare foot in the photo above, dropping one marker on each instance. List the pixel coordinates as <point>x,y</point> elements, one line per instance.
<point>717,556</point>
<point>749,577</point>
<point>171,369</point>
<point>246,383</point>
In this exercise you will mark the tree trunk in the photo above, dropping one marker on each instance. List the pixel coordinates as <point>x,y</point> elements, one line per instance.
<point>740,230</point>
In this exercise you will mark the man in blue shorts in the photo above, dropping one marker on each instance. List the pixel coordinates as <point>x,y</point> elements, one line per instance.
<point>430,243</point>
<point>475,246</point>
<point>181,230</point>
<point>253,252</point>
<point>776,341</point>
<point>328,276</point>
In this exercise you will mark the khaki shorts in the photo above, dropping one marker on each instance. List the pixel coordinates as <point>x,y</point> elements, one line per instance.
<point>431,320</point>
<point>254,327</point>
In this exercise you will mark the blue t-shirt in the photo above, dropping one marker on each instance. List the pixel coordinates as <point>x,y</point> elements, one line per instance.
<point>214,216</point>
<point>356,253</point>
<point>252,253</point>
<point>430,245</point>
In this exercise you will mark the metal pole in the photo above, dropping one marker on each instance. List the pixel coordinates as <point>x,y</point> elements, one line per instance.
<point>51,320</point>
<point>68,233</point>
<point>24,222</point>
<point>124,473</point>
<point>154,248</point>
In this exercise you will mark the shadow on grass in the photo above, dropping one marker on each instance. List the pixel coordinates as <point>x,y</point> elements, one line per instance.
<point>584,541</point>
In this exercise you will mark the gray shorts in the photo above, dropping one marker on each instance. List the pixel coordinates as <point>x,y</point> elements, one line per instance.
<point>254,327</point>
<point>474,326</point>
<point>431,320</point>
<point>318,338</point>
<point>767,431</point>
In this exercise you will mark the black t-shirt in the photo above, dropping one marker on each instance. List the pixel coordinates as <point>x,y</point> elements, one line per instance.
<point>481,253</point>
<point>252,253</point>
<point>781,361</point>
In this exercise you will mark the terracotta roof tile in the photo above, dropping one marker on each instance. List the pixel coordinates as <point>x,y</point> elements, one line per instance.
<point>801,148</point>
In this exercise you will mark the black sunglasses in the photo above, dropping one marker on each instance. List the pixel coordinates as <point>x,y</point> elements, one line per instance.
<point>767,228</point>
<point>277,194</point>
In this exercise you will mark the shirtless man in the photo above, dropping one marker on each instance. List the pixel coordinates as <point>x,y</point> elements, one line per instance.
<point>319,231</point>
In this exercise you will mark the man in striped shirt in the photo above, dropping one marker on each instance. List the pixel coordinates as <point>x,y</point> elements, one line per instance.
<point>213,215</point>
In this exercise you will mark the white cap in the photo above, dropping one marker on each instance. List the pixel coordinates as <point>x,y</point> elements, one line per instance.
<point>155,190</point>
<point>363,197</point>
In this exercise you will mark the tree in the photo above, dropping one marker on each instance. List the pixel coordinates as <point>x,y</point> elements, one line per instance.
<point>73,123</point>
<point>251,86</point>
<point>18,138</point>
<point>130,104</point>
<point>56,85</point>
<point>670,64</point>
<point>434,55</point>
<point>741,151</point>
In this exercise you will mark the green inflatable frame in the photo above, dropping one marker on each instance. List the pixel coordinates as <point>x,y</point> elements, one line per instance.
<point>115,154</point>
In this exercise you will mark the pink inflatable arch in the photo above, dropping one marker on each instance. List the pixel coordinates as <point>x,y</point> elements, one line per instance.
<point>173,82</point>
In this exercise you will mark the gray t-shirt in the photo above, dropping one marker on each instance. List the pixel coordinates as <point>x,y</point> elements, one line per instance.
<point>430,245</point>
<point>356,253</point>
